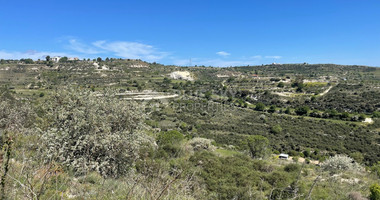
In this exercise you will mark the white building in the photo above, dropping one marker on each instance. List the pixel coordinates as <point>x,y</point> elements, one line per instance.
<point>284,156</point>
<point>56,58</point>
<point>73,59</point>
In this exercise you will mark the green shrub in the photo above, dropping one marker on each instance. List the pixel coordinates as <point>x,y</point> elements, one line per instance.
<point>276,129</point>
<point>272,109</point>
<point>376,114</point>
<point>198,144</point>
<point>292,167</point>
<point>357,156</point>
<point>170,143</point>
<point>90,133</point>
<point>169,137</point>
<point>376,169</point>
<point>257,146</point>
<point>375,192</point>
<point>260,107</point>
<point>339,163</point>
<point>303,110</point>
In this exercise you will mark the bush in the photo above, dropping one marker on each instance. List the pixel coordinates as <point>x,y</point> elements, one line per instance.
<point>376,114</point>
<point>169,137</point>
<point>89,133</point>
<point>257,146</point>
<point>375,192</point>
<point>199,144</point>
<point>170,143</point>
<point>357,156</point>
<point>302,110</point>
<point>272,109</point>
<point>292,167</point>
<point>376,169</point>
<point>260,107</point>
<point>356,196</point>
<point>276,129</point>
<point>339,163</point>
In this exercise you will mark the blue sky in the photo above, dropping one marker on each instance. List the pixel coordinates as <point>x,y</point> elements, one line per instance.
<point>217,33</point>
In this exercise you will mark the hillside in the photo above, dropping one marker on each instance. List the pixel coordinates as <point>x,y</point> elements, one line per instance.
<point>139,130</point>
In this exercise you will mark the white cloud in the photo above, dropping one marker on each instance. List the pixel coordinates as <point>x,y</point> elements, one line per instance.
<point>33,54</point>
<point>133,50</point>
<point>124,49</point>
<point>181,62</point>
<point>223,53</point>
<point>256,57</point>
<point>216,62</point>
<point>82,48</point>
<point>242,61</point>
<point>273,57</point>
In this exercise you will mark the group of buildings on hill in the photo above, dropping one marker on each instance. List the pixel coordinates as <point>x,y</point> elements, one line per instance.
<point>57,58</point>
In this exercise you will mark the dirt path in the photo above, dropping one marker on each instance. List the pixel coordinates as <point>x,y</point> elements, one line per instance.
<point>326,91</point>
<point>151,97</point>
<point>301,160</point>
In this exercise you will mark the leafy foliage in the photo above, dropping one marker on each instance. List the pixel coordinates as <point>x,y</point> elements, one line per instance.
<point>90,133</point>
<point>257,146</point>
<point>339,163</point>
<point>375,192</point>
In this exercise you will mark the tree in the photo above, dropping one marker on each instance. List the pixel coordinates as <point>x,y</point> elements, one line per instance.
<point>257,146</point>
<point>260,107</point>
<point>99,59</point>
<point>281,85</point>
<point>27,61</point>
<point>166,80</point>
<point>170,143</point>
<point>50,64</point>
<point>208,95</point>
<point>63,59</point>
<point>272,109</point>
<point>47,58</point>
<point>339,163</point>
<point>362,117</point>
<point>303,110</point>
<point>276,129</point>
<point>345,115</point>
<point>85,139</point>
<point>357,156</point>
<point>375,192</point>
<point>300,87</point>
<point>376,114</point>
<point>376,169</point>
<point>169,137</point>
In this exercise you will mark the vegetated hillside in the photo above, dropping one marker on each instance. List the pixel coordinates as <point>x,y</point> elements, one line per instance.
<point>129,129</point>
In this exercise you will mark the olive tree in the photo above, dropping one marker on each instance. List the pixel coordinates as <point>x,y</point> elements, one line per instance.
<point>257,146</point>
<point>339,163</point>
<point>89,132</point>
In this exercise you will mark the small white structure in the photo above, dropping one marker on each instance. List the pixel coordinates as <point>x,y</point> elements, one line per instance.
<point>73,59</point>
<point>284,156</point>
<point>56,58</point>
